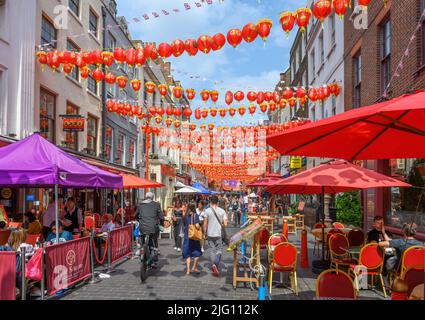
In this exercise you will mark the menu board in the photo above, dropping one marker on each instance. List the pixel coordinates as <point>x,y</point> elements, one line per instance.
<point>248,232</point>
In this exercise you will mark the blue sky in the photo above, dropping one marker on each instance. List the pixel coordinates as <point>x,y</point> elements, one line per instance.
<point>252,66</point>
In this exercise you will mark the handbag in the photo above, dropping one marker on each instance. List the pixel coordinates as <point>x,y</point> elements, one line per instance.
<point>194,233</point>
<point>33,267</point>
<point>224,236</point>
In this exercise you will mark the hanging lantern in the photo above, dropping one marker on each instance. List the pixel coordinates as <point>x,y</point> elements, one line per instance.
<point>204,113</point>
<point>169,111</point>
<point>268,96</point>
<point>260,97</point>
<point>241,110</point>
<point>122,82</point>
<point>239,96</point>
<point>292,102</point>
<point>163,90</point>
<point>302,18</point>
<point>97,75</point>
<point>177,92</point>
<point>264,107</point>
<point>214,96</point>
<point>192,126</point>
<point>190,94</point>
<point>264,26</point>
<point>219,40</point>
<point>365,3</point>
<point>130,57</point>
<point>287,93</point>
<point>158,119</point>
<point>251,96</point>
<point>229,98</point>
<point>168,122</point>
<point>152,110</point>
<point>272,106</point>
<point>110,78</point>
<point>191,47</point>
<point>151,52</point>
<point>140,57</point>
<point>135,84</point>
<point>222,112</point>
<point>287,21</point>
<point>178,48</point>
<point>42,58</point>
<point>53,60</point>
<point>252,109</point>
<point>234,37</point>
<point>177,112</point>
<point>301,92</point>
<point>337,91</point>
<point>326,91</point>
<point>232,111</point>
<point>85,72</point>
<point>177,124</point>
<point>198,114</point>
<point>67,68</point>
<point>119,55</point>
<point>276,97</point>
<point>87,58</point>
<point>213,112</point>
<point>282,104</point>
<point>312,94</point>
<point>205,95</point>
<point>160,111</point>
<point>150,87</point>
<point>204,44</point>
<point>322,9</point>
<point>340,7</point>
<point>249,32</point>
<point>96,57</point>
<point>187,112</point>
<point>64,57</point>
<point>302,101</point>
<point>320,94</point>
<point>165,50</point>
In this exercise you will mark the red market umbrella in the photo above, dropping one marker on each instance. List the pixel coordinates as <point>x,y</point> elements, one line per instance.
<point>333,177</point>
<point>268,180</point>
<point>387,130</point>
<point>134,182</point>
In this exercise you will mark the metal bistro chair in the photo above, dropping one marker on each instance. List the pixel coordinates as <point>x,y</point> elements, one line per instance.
<point>413,277</point>
<point>335,284</point>
<point>284,259</point>
<point>338,248</point>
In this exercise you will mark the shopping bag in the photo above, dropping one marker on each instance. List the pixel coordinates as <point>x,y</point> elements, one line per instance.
<point>33,267</point>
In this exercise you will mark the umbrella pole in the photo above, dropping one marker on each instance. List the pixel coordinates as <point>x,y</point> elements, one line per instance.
<point>323,223</point>
<point>57,213</point>
<point>122,207</point>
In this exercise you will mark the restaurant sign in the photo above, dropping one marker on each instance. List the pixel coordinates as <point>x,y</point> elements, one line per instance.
<point>73,123</point>
<point>167,170</point>
<point>296,162</point>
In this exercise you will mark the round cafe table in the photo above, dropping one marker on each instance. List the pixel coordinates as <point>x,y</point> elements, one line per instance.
<point>318,232</point>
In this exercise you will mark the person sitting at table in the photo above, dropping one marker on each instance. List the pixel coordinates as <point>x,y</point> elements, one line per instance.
<point>63,234</point>
<point>400,245</point>
<point>107,223</point>
<point>73,214</point>
<point>3,225</point>
<point>375,235</point>
<point>34,226</point>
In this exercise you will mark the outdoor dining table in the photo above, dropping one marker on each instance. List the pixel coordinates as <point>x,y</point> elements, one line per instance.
<point>318,231</point>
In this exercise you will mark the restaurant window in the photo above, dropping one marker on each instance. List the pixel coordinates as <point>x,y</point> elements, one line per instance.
<point>93,22</point>
<point>48,33</point>
<point>332,29</point>
<point>71,137</point>
<point>357,68</point>
<point>405,201</point>
<point>131,153</point>
<point>91,135</point>
<point>109,140</point>
<point>75,73</point>
<point>385,54</point>
<point>47,115</point>
<point>74,6</point>
<point>120,149</point>
<point>92,85</point>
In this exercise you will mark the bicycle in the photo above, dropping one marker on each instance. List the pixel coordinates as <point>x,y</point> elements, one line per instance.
<point>148,256</point>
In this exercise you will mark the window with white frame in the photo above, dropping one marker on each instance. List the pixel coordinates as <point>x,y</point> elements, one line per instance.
<point>48,33</point>
<point>385,54</point>
<point>332,29</point>
<point>75,73</point>
<point>109,140</point>
<point>313,63</point>
<point>322,49</point>
<point>119,159</point>
<point>74,6</point>
<point>93,23</point>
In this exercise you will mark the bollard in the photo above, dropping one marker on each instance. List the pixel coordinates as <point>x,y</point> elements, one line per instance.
<point>110,269</point>
<point>285,228</point>
<point>304,250</point>
<point>399,290</point>
<point>23,275</point>
<point>93,277</point>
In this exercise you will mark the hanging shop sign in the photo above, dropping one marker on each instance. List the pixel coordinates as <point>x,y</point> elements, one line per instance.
<point>73,123</point>
<point>296,162</point>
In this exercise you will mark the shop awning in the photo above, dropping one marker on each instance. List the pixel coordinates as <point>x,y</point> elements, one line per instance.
<point>134,182</point>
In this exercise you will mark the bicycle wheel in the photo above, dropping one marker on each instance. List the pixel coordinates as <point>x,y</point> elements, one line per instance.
<point>144,267</point>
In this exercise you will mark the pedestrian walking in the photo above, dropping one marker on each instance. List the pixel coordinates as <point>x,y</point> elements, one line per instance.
<point>177,224</point>
<point>200,210</point>
<point>215,220</point>
<point>191,248</point>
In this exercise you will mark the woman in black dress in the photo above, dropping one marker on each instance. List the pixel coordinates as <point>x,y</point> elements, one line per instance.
<point>177,224</point>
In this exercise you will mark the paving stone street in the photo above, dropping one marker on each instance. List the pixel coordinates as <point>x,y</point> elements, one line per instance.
<point>170,282</point>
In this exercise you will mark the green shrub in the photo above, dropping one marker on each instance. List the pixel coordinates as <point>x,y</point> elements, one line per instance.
<point>348,208</point>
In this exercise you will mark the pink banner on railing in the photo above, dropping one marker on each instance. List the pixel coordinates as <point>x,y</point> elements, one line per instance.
<point>67,263</point>
<point>120,242</point>
<point>7,275</point>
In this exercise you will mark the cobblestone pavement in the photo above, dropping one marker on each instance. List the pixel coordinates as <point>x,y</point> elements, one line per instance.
<point>170,281</point>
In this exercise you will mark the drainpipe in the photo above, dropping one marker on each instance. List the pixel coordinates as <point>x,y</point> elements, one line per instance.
<point>103,111</point>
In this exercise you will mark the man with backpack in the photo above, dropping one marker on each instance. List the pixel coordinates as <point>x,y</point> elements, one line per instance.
<point>215,221</point>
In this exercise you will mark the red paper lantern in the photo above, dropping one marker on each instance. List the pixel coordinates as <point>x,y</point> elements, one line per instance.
<point>53,60</point>
<point>219,40</point>
<point>287,93</point>
<point>205,95</point>
<point>119,55</point>
<point>229,98</point>
<point>165,50</point>
<point>322,9</point>
<point>97,75</point>
<point>264,26</point>
<point>110,78</point>
<point>222,112</point>
<point>211,126</point>
<point>122,82</point>
<point>340,7</point>
<point>272,106</point>
<point>204,44</point>
<point>135,84</point>
<point>177,112</point>
<point>42,57</point>
<point>198,114</point>
<point>268,96</point>
<point>312,94</point>
<point>163,89</point>
<point>191,47</point>
<point>239,96</point>
<point>241,110</point>
<point>365,3</point>
<point>87,58</point>
<point>301,92</point>
<point>158,119</point>
<point>187,112</point>
<point>214,96</point>
<point>234,37</point>
<point>251,96</point>
<point>85,72</point>
<point>131,57</point>
<point>292,102</point>
<point>249,32</point>
<point>152,110</point>
<point>67,68</point>
<point>169,111</point>
<point>282,104</point>
<point>168,122</point>
<point>260,97</point>
<point>178,48</point>
<point>264,107</point>
<point>190,94</point>
<point>177,92</point>
<point>140,57</point>
<point>160,111</point>
<point>192,126</point>
<point>204,113</point>
<point>320,94</point>
<point>232,111</point>
<point>96,57</point>
<point>151,52</point>
<point>252,109</point>
<point>302,101</point>
<point>276,97</point>
<point>287,20</point>
<point>150,87</point>
<point>337,90</point>
<point>302,17</point>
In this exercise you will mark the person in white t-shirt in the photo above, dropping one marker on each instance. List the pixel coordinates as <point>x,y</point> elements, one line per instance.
<point>213,232</point>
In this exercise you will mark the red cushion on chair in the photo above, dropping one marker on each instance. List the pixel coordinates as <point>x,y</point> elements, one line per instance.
<point>338,244</point>
<point>264,237</point>
<point>284,256</point>
<point>371,256</point>
<point>278,268</point>
<point>331,284</point>
<point>414,257</point>
<point>356,237</point>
